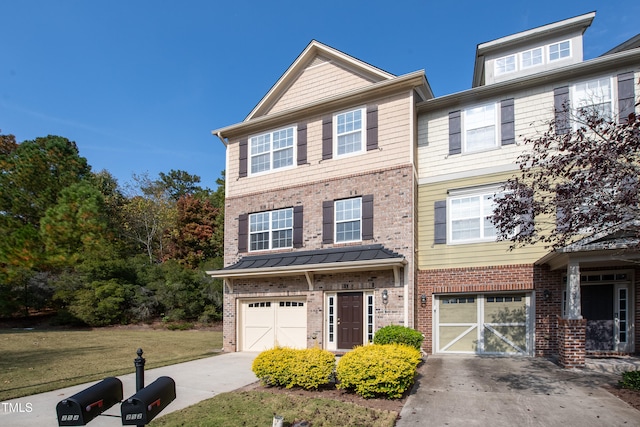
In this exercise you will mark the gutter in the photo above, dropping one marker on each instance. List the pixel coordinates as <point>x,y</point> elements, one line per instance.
<point>219,135</point>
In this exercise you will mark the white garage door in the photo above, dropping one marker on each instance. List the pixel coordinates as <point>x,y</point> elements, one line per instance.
<point>485,324</point>
<point>269,323</point>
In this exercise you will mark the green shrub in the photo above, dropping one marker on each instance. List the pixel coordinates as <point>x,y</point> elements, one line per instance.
<point>287,367</point>
<point>378,370</point>
<point>631,380</point>
<point>399,335</point>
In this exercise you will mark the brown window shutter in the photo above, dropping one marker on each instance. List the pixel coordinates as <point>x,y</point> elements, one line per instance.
<point>327,137</point>
<point>302,144</point>
<point>372,127</point>
<point>297,226</point>
<point>440,226</point>
<point>367,217</point>
<point>243,146</point>
<point>562,110</point>
<point>327,221</point>
<point>455,133</point>
<point>626,96</point>
<point>507,122</point>
<point>243,232</point>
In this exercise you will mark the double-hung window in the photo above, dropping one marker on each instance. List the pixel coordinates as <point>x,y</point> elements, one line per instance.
<point>559,50</point>
<point>271,230</point>
<point>531,57</point>
<point>470,217</point>
<point>506,64</point>
<point>349,128</point>
<point>348,214</point>
<point>592,98</point>
<point>480,128</point>
<point>272,150</point>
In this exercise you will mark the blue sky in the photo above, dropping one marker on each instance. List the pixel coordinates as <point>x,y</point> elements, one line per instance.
<point>139,85</point>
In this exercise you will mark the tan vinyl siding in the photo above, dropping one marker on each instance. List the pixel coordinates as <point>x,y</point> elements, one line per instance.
<point>322,79</point>
<point>394,142</point>
<point>432,255</point>
<point>532,113</point>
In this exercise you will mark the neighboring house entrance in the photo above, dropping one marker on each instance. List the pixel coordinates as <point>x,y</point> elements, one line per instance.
<point>350,320</point>
<point>484,324</point>
<point>265,324</point>
<point>606,307</point>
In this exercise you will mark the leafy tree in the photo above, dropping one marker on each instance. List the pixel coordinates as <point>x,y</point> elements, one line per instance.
<point>77,226</point>
<point>572,182</point>
<point>192,238</point>
<point>33,174</point>
<point>178,183</point>
<point>147,215</point>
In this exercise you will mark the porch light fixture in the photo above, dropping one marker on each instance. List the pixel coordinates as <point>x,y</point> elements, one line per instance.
<point>423,300</point>
<point>546,294</point>
<point>385,297</point>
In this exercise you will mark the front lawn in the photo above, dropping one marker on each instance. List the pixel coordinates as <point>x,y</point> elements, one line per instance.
<point>257,408</point>
<point>38,361</point>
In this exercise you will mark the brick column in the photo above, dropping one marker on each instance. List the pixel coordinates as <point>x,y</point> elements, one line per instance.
<point>572,342</point>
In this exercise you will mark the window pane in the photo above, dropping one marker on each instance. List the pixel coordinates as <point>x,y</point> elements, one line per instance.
<point>282,239</point>
<point>259,241</point>
<point>348,231</point>
<point>559,50</point>
<point>349,132</point>
<point>479,124</point>
<point>282,158</point>
<point>348,219</point>
<point>465,207</point>
<point>259,222</point>
<point>532,57</point>
<point>506,64</point>
<point>465,229</point>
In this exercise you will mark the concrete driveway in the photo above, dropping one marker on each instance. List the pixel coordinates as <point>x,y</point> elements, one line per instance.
<point>511,391</point>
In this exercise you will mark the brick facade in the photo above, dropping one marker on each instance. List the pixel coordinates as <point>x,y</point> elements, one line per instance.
<point>571,342</point>
<point>393,228</point>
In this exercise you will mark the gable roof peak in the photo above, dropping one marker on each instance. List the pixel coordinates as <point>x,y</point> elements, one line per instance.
<point>313,51</point>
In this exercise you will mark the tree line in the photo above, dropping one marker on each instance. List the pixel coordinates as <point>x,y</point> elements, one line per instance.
<point>76,243</point>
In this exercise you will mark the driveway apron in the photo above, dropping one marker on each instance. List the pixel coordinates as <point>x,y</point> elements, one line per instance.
<point>457,390</point>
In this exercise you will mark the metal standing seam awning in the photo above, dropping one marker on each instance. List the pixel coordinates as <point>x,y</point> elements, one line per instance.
<point>309,263</point>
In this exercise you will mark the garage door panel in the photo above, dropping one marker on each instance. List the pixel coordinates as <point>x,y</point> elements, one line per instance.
<point>483,324</point>
<point>458,338</point>
<point>267,324</point>
<point>505,339</point>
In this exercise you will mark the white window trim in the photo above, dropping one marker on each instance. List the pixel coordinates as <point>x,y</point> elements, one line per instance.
<point>363,132</point>
<point>271,151</point>
<point>548,51</point>
<point>613,95</point>
<point>542,57</point>
<point>270,230</point>
<point>468,192</point>
<point>335,221</point>
<point>496,124</point>
<point>496,69</point>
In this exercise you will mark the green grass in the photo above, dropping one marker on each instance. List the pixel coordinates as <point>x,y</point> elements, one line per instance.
<point>37,361</point>
<point>256,408</point>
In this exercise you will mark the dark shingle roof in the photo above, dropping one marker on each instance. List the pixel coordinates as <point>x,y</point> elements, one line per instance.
<point>316,257</point>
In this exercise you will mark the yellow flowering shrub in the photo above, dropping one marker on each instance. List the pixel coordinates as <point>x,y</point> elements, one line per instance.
<point>287,367</point>
<point>378,370</point>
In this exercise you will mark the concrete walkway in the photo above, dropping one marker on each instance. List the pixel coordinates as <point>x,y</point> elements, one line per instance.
<point>511,391</point>
<point>195,381</point>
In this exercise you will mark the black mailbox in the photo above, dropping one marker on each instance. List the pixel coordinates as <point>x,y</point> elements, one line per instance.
<point>143,406</point>
<point>84,406</point>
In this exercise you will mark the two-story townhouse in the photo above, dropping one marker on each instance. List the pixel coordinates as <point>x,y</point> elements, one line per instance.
<point>320,206</point>
<point>474,295</point>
